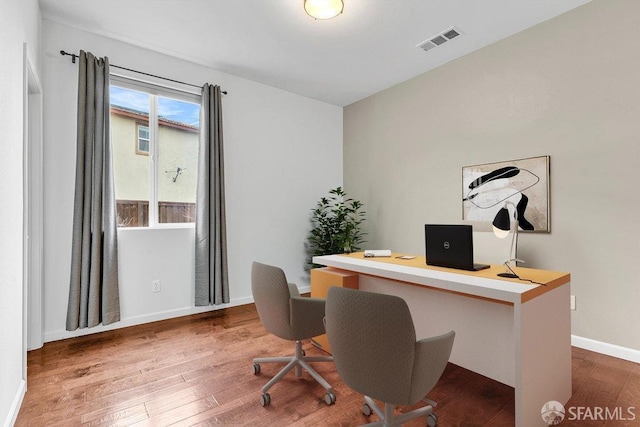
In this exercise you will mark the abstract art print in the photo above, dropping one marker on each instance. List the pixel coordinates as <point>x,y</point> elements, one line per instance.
<point>522,186</point>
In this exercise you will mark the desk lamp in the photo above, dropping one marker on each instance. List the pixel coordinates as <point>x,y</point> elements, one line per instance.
<point>501,228</point>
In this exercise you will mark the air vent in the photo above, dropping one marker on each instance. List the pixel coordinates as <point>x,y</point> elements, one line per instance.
<point>451,34</point>
<point>439,39</point>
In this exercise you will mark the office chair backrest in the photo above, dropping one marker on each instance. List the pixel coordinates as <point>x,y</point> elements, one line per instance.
<point>271,296</point>
<point>373,342</point>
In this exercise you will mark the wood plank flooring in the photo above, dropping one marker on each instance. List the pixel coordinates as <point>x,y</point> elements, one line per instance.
<point>197,370</point>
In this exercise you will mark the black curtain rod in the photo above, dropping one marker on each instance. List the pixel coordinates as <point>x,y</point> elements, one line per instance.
<point>74,56</point>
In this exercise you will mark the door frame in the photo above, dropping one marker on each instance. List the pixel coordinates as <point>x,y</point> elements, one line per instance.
<point>33,334</point>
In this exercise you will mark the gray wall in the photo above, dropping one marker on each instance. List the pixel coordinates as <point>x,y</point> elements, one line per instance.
<point>568,88</point>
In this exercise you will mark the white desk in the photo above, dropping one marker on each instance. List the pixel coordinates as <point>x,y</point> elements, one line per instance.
<point>508,330</point>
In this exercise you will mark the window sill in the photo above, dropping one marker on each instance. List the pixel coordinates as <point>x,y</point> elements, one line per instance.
<point>160,227</point>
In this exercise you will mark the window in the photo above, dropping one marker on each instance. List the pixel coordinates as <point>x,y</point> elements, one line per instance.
<point>155,181</point>
<point>142,147</point>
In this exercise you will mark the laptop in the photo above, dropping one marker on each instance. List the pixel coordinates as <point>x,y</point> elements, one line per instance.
<point>450,246</point>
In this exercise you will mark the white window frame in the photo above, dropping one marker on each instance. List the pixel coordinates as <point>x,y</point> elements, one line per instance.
<point>154,90</point>
<point>138,139</point>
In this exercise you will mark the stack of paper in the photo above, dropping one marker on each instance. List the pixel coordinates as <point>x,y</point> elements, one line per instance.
<point>377,253</point>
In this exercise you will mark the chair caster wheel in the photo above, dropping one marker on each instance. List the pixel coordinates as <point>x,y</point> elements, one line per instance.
<point>256,369</point>
<point>366,410</point>
<point>432,420</point>
<point>330,398</point>
<point>265,399</point>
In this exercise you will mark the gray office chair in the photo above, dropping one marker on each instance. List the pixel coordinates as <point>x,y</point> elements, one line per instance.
<point>374,347</point>
<point>287,315</point>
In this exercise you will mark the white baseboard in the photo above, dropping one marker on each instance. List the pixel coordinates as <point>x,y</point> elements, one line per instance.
<point>139,320</point>
<point>606,348</point>
<point>12,416</point>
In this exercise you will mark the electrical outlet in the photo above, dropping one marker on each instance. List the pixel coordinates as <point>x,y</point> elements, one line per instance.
<point>155,286</point>
<point>573,302</point>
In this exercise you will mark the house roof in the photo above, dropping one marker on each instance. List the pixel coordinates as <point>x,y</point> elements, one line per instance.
<point>142,116</point>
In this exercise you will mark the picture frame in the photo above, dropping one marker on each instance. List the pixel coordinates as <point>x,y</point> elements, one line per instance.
<point>520,185</point>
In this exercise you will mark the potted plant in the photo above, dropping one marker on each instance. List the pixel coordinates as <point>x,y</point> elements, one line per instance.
<point>336,225</point>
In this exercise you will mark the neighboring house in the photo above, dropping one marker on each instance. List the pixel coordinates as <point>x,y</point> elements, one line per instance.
<point>177,168</point>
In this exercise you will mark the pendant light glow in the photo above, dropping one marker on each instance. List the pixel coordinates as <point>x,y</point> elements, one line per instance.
<point>323,9</point>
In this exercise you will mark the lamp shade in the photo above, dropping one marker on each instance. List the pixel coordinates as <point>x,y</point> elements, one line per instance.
<point>502,223</point>
<point>323,9</point>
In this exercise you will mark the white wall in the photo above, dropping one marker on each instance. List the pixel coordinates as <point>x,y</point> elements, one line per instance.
<point>19,23</point>
<point>568,88</point>
<point>282,153</point>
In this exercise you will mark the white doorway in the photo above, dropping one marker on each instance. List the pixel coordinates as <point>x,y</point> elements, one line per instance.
<point>33,335</point>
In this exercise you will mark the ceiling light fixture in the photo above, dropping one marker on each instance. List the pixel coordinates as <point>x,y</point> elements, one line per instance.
<point>323,9</point>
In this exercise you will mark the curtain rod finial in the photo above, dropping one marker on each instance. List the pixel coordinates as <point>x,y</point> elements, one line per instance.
<point>72,55</point>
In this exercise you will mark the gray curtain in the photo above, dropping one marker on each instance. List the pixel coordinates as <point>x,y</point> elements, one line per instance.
<point>212,281</point>
<point>93,291</point>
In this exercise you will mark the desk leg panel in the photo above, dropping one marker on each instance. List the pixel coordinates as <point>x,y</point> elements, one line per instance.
<point>321,280</point>
<point>484,329</point>
<point>543,354</point>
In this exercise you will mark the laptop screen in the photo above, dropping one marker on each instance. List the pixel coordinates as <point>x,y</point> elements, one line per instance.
<point>450,246</point>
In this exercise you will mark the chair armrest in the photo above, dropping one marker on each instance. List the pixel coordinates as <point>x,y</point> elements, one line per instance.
<point>431,357</point>
<point>307,316</point>
<point>293,290</point>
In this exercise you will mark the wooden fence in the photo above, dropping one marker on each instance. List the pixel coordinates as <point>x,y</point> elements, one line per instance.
<point>135,213</point>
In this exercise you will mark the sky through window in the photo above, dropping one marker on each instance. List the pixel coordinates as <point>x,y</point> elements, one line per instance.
<point>172,109</point>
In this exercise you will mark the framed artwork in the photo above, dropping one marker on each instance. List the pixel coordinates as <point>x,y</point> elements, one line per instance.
<point>520,185</point>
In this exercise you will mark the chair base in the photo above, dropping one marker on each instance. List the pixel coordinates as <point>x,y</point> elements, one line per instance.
<point>298,361</point>
<point>389,418</point>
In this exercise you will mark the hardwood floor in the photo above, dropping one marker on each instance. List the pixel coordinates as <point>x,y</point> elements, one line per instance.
<point>197,370</point>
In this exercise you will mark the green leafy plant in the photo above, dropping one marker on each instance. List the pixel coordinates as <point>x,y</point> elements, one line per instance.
<point>336,225</point>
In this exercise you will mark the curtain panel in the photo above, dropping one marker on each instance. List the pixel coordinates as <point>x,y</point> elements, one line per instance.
<point>93,291</point>
<point>211,272</point>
